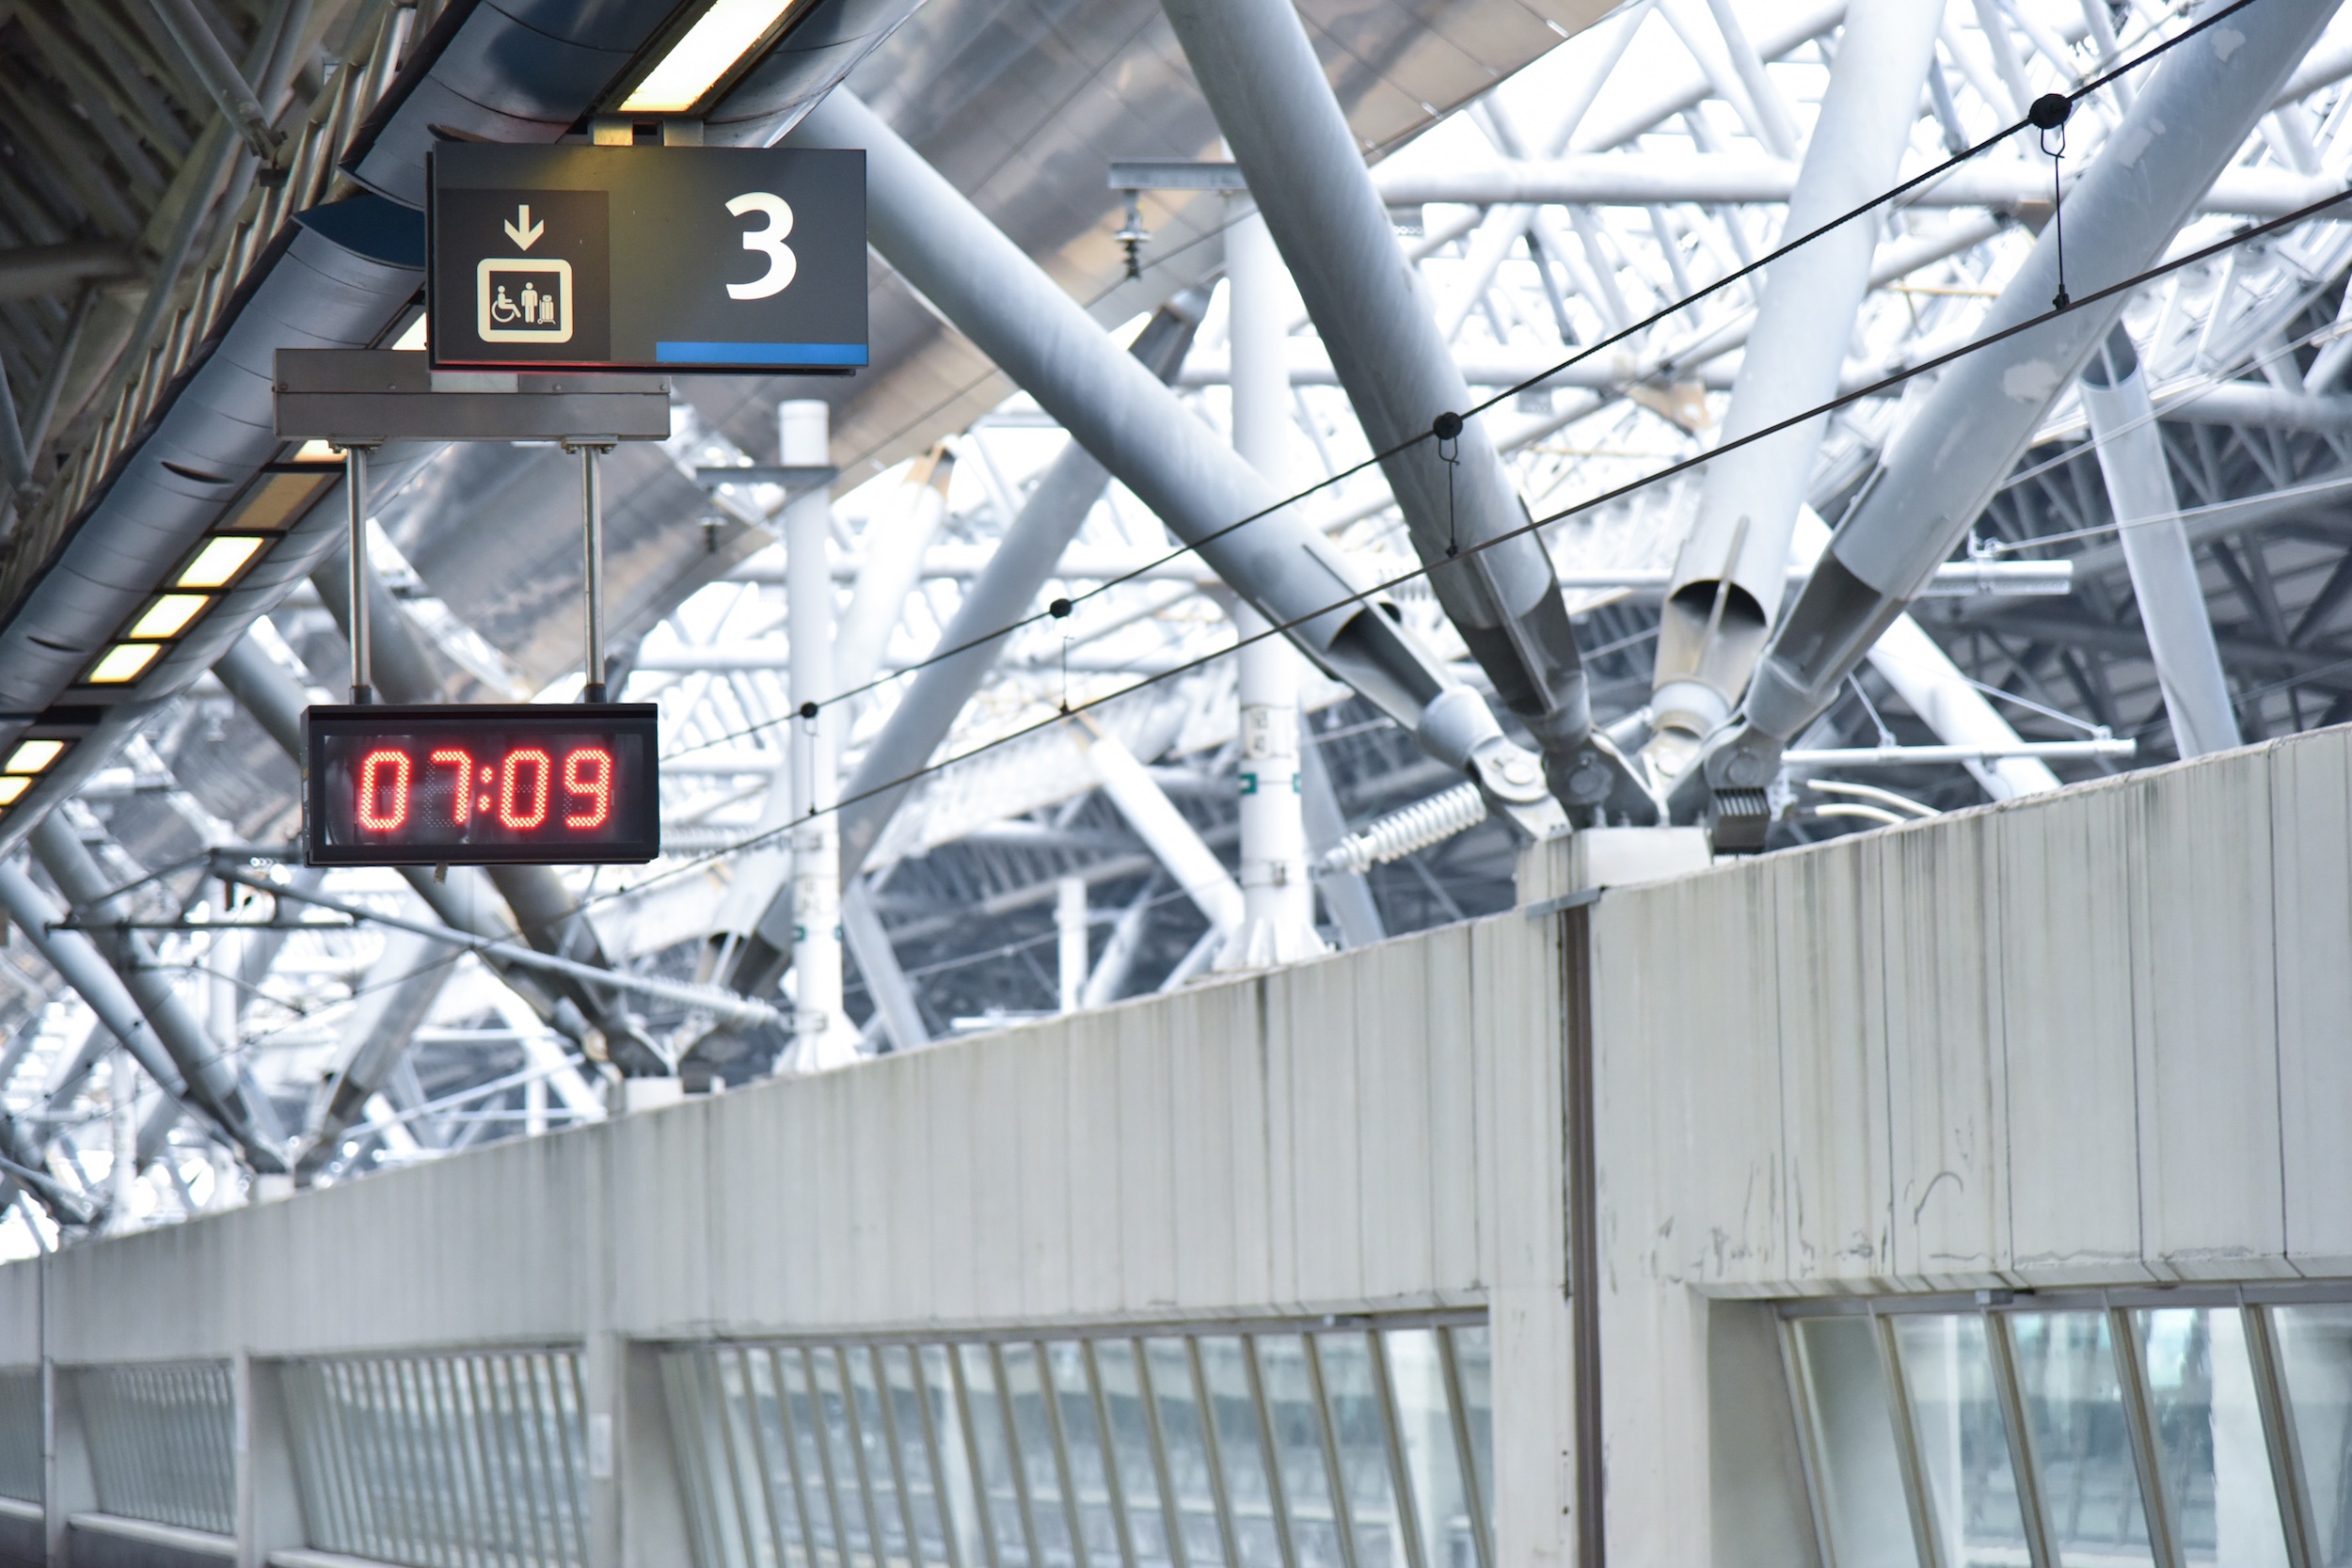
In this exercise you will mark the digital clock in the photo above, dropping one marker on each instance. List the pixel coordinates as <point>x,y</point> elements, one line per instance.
<point>481,785</point>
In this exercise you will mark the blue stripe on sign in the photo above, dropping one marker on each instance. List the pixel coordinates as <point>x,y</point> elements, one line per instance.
<point>759,353</point>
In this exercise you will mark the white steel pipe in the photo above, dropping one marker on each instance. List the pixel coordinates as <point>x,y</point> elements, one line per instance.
<point>2165,581</point>
<point>1648,179</point>
<point>1932,687</point>
<point>2189,121</point>
<point>1732,571</point>
<point>724,1004</point>
<point>896,540</point>
<point>1163,828</point>
<point>822,1035</point>
<point>1277,899</point>
<point>1904,756</point>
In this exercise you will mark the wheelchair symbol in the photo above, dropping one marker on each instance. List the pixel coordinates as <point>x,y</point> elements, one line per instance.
<point>523,301</point>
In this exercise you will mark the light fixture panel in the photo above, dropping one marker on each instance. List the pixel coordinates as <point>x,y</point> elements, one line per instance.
<point>170,615</point>
<point>719,38</point>
<point>222,558</point>
<point>124,662</point>
<point>34,756</point>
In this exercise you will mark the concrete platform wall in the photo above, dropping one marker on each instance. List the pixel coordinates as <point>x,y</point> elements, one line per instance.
<point>2100,1037</point>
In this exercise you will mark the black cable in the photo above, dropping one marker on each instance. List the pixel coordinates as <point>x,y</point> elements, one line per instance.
<point>1875,388</point>
<point>1749,269</point>
<point>1060,607</point>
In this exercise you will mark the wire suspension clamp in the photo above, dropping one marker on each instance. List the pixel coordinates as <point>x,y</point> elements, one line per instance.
<point>2049,113</point>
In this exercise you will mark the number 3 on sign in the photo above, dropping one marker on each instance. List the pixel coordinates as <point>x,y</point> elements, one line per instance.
<point>768,241</point>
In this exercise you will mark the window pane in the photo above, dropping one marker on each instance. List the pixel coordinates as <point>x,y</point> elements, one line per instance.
<point>824,1533</point>
<point>1298,1444</point>
<point>1424,1427</point>
<point>902,1381</point>
<point>2209,1435</point>
<point>2316,1360</point>
<point>1854,1441</point>
<point>873,1447</point>
<point>770,1457</point>
<point>994,1462</point>
<point>1089,1480</point>
<point>1473,1362</point>
<point>1187,1450</point>
<point>1347,1383</point>
<point>962,1502</point>
<point>1962,1449</point>
<point>2090,1489</point>
<point>1131,1442</point>
<point>1246,1491</point>
<point>1040,1471</point>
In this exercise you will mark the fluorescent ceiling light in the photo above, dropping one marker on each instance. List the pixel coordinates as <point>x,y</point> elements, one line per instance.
<point>221,559</point>
<point>318,450</point>
<point>124,662</point>
<point>170,615</point>
<point>722,35</point>
<point>414,338</point>
<point>34,755</point>
<point>11,788</point>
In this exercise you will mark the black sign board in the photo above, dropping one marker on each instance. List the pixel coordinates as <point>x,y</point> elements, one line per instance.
<point>648,258</point>
<point>488,784</point>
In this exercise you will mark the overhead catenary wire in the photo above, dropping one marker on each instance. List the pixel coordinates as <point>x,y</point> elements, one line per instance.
<point>1875,388</point>
<point>1670,472</point>
<point>1761,263</point>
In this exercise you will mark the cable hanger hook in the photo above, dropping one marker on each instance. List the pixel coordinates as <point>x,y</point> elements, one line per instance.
<point>2050,113</point>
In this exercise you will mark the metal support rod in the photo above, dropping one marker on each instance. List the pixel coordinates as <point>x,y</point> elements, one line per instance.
<point>1938,473</point>
<point>1288,132</point>
<point>592,512</point>
<point>356,506</point>
<point>1006,588</point>
<point>2155,546</point>
<point>1924,675</point>
<point>997,296</point>
<point>1903,756</point>
<point>1732,570</point>
<point>223,81</point>
<point>822,1035</point>
<point>726,1005</point>
<point>1278,901</point>
<point>1160,825</point>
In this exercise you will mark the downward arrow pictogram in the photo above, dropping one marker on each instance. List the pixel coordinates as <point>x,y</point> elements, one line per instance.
<point>520,229</point>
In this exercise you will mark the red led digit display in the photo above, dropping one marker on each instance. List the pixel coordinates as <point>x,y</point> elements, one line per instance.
<point>481,785</point>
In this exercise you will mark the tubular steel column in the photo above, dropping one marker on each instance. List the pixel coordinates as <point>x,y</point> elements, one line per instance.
<point>1278,900</point>
<point>1733,570</point>
<point>2155,546</point>
<point>821,1036</point>
<point>1260,76</point>
<point>1135,427</point>
<point>2190,120</point>
<point>1004,592</point>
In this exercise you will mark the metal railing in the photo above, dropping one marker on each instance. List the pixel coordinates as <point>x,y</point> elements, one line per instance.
<point>160,1443</point>
<point>20,1433</point>
<point>1278,1445</point>
<point>443,1460</point>
<point>356,79</point>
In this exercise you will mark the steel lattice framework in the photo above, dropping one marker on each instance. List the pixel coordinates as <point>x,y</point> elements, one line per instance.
<point>1633,164</point>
